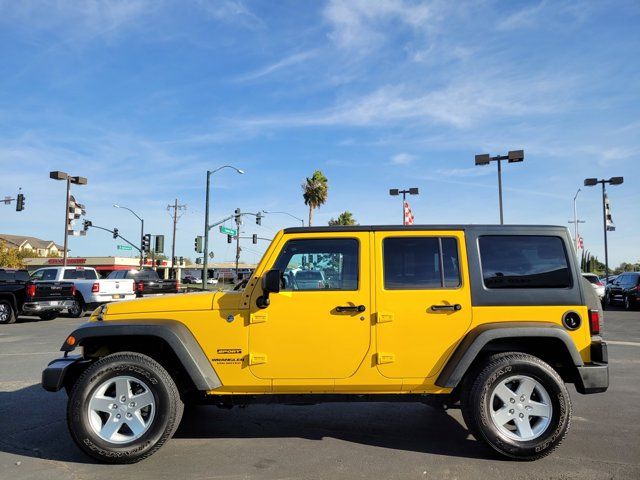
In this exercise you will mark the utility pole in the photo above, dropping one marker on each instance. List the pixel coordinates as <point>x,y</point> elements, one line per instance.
<point>176,208</point>
<point>238,224</point>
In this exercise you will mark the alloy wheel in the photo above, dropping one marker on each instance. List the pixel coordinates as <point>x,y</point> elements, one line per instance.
<point>5,312</point>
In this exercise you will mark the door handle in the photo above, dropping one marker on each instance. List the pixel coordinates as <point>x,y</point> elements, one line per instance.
<point>350,308</point>
<point>451,308</point>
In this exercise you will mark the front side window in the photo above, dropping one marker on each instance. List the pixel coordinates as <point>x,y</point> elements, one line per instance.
<point>49,274</point>
<point>416,263</point>
<point>319,264</point>
<point>524,261</point>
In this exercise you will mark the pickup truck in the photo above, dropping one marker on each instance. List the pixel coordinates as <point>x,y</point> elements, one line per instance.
<point>147,282</point>
<point>18,295</point>
<point>493,319</point>
<point>91,290</point>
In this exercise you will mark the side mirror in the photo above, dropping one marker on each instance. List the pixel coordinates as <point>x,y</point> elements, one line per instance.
<point>270,284</point>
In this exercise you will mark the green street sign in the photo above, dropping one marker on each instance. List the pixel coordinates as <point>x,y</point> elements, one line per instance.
<point>228,231</point>
<point>125,247</point>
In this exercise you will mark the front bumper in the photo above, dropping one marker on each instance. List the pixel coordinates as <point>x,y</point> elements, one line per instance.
<point>594,377</point>
<point>46,306</point>
<point>53,377</point>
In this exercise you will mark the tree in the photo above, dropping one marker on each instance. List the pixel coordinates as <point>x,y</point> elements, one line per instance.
<point>345,218</point>
<point>315,191</point>
<point>12,257</point>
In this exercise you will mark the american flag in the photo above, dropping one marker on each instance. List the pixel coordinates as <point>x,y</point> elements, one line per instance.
<point>408,215</point>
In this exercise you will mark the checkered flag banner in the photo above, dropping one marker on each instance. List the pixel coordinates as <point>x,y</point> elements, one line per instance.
<point>76,210</point>
<point>580,243</point>
<point>408,215</point>
<point>607,210</point>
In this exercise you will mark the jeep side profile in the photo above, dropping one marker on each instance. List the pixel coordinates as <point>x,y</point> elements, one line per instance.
<point>495,319</point>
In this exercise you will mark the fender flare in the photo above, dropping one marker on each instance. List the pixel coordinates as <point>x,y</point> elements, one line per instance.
<point>177,336</point>
<point>478,338</point>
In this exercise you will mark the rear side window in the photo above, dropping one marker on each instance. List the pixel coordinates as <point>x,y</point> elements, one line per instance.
<point>80,274</point>
<point>418,263</point>
<point>524,261</point>
<point>14,276</point>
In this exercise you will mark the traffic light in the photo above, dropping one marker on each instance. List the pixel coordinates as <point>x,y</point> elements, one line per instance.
<point>146,242</point>
<point>159,243</point>
<point>254,238</point>
<point>229,238</point>
<point>198,244</point>
<point>115,233</point>
<point>238,217</point>
<point>181,261</point>
<point>86,224</point>
<point>20,202</point>
<point>259,219</point>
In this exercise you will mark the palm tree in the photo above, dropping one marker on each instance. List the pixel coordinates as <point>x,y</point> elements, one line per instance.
<point>345,218</point>
<point>315,191</point>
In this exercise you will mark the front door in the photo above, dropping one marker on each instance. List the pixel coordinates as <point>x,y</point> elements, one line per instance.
<point>423,301</point>
<point>318,326</point>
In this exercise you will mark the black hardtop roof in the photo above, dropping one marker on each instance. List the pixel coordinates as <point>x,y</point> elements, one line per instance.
<point>514,229</point>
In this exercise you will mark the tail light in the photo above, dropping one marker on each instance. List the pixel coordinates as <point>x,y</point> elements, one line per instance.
<point>600,284</point>
<point>95,288</point>
<point>140,287</point>
<point>594,322</point>
<point>31,290</point>
<point>73,290</point>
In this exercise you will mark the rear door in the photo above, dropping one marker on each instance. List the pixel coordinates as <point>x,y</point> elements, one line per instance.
<point>423,302</point>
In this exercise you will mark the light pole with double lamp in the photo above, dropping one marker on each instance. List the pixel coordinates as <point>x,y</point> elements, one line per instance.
<point>287,213</point>
<point>205,251</point>
<point>485,159</point>
<point>141,232</point>
<point>57,175</point>
<point>591,182</point>
<point>394,192</point>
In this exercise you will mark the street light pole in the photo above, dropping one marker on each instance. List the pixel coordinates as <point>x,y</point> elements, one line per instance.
<point>141,231</point>
<point>287,213</point>
<point>205,252</point>
<point>576,236</point>
<point>395,192</point>
<point>513,156</point>
<point>590,182</point>
<point>58,175</point>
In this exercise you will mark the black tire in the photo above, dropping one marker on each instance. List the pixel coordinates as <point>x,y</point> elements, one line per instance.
<point>477,407</point>
<point>166,416</point>
<point>7,314</point>
<point>49,315</point>
<point>628,304</point>
<point>78,308</point>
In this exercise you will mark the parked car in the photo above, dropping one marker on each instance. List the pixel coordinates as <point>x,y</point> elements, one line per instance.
<point>20,296</point>
<point>624,290</point>
<point>147,282</point>
<point>495,318</point>
<point>596,282</point>
<point>91,290</point>
<point>190,279</point>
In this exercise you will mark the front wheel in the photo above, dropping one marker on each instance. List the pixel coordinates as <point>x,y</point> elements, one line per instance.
<point>123,408</point>
<point>518,405</point>
<point>7,315</point>
<point>76,310</point>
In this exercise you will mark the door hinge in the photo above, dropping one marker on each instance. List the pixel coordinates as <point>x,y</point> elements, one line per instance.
<point>385,358</point>
<point>257,358</point>
<point>258,317</point>
<point>383,317</point>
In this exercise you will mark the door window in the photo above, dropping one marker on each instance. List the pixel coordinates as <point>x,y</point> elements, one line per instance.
<point>319,264</point>
<point>49,274</point>
<point>418,263</point>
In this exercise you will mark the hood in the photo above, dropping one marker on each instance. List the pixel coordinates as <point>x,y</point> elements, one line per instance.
<point>177,302</point>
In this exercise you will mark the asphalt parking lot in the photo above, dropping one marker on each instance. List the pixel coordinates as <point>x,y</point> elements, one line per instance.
<point>377,440</point>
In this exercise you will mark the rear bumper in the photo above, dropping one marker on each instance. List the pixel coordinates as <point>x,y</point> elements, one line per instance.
<point>594,377</point>
<point>53,377</point>
<point>46,306</point>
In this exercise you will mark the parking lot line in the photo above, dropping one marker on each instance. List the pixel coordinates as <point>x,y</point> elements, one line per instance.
<point>629,344</point>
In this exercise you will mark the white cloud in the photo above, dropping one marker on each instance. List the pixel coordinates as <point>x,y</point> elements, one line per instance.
<point>293,59</point>
<point>357,24</point>
<point>402,159</point>
<point>232,11</point>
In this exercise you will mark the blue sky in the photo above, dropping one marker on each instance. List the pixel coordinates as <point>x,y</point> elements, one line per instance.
<point>141,97</point>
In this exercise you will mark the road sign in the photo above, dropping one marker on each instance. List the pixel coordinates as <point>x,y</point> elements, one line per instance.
<point>125,247</point>
<point>228,231</point>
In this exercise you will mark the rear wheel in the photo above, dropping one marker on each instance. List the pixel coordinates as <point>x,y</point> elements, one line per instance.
<point>76,310</point>
<point>627,303</point>
<point>7,315</point>
<point>49,315</point>
<point>123,408</point>
<point>518,405</point>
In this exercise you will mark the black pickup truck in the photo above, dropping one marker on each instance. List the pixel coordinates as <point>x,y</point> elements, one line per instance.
<point>147,282</point>
<point>19,295</point>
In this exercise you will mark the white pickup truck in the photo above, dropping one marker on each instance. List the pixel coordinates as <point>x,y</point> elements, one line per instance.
<point>91,290</point>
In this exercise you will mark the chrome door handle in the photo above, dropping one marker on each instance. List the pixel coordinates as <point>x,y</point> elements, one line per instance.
<point>350,308</point>
<point>451,308</point>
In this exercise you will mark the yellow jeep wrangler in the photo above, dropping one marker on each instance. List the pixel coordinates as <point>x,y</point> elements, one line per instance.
<point>495,319</point>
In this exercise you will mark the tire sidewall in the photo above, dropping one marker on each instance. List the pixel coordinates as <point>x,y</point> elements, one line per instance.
<point>78,418</point>
<point>560,417</point>
<point>11,315</point>
<point>77,314</point>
